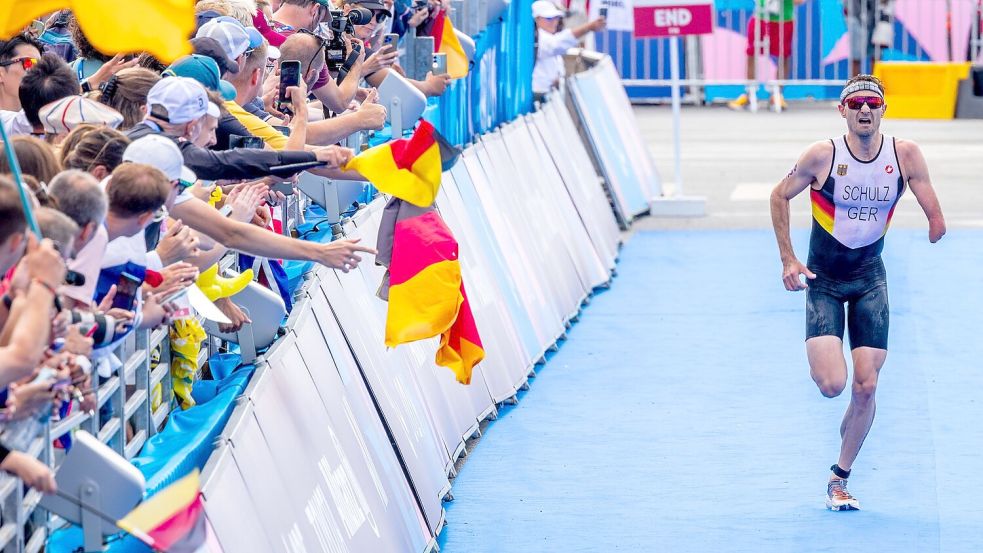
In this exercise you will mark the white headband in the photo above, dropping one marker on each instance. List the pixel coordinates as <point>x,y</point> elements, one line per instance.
<point>858,86</point>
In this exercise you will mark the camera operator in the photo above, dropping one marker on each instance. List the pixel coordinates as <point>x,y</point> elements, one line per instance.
<point>377,70</point>
<point>314,16</point>
<point>249,83</point>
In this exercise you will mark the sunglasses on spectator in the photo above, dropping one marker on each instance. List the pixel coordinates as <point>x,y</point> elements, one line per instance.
<point>380,15</point>
<point>25,62</point>
<point>857,103</point>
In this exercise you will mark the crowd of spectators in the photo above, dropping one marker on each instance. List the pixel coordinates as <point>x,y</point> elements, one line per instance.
<point>137,184</point>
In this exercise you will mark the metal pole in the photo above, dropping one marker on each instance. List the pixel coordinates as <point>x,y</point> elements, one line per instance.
<point>676,108</point>
<point>25,201</point>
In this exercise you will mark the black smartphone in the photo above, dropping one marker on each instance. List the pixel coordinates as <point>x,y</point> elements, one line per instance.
<point>240,141</point>
<point>284,130</point>
<point>604,12</point>
<point>126,291</point>
<point>289,76</point>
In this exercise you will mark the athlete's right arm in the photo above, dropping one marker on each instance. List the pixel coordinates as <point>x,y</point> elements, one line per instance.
<point>806,171</point>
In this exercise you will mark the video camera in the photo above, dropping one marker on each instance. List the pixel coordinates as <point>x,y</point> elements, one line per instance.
<point>342,24</point>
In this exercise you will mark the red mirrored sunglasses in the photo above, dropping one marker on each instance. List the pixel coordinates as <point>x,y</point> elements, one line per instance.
<point>857,102</point>
<point>25,62</point>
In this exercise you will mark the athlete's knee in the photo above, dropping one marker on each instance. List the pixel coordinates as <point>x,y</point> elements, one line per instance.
<point>831,386</point>
<point>864,390</point>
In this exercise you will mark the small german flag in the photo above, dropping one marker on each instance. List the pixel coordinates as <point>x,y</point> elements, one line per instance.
<point>409,168</point>
<point>445,41</point>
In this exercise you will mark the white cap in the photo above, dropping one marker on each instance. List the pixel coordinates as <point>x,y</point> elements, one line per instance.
<point>161,152</point>
<point>545,8</point>
<point>234,38</point>
<point>61,116</point>
<point>184,99</point>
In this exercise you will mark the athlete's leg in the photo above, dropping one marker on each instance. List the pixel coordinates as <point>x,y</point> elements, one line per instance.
<point>859,417</point>
<point>825,322</point>
<point>869,319</point>
<point>826,364</point>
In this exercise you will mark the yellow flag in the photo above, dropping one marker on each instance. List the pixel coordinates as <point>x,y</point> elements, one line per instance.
<point>160,27</point>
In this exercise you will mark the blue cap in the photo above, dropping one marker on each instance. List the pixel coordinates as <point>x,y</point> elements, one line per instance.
<point>204,70</point>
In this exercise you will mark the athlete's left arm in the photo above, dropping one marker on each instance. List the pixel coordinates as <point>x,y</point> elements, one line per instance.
<point>915,169</point>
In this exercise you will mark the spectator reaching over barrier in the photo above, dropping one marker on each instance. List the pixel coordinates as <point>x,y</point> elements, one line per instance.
<point>367,116</point>
<point>26,311</point>
<point>179,108</point>
<point>82,199</point>
<point>378,69</point>
<point>552,42</point>
<point>313,16</point>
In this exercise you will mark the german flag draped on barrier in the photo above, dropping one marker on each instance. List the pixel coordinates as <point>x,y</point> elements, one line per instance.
<point>408,168</point>
<point>423,286</point>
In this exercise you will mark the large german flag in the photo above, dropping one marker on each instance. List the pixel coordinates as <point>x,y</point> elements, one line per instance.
<point>409,169</point>
<point>446,42</point>
<point>425,289</point>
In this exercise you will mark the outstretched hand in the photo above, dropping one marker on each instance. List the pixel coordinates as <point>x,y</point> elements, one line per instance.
<point>343,254</point>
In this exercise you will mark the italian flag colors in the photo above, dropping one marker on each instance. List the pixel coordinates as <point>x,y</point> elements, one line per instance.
<point>426,294</point>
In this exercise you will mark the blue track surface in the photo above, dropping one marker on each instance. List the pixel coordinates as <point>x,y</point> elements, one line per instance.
<point>680,416</point>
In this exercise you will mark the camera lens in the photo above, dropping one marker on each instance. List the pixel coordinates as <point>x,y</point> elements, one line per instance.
<point>360,16</point>
<point>73,278</point>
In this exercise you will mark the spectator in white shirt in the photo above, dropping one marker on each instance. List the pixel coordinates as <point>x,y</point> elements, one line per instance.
<point>552,43</point>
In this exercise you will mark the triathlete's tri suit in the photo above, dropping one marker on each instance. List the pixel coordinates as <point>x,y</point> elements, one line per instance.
<point>850,216</point>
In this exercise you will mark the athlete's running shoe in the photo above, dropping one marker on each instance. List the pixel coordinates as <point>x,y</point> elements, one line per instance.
<point>838,498</point>
<point>740,103</point>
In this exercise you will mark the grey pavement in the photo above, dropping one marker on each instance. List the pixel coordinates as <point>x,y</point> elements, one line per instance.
<point>735,158</point>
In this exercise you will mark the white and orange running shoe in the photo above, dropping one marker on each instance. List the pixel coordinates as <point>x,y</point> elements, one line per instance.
<point>838,498</point>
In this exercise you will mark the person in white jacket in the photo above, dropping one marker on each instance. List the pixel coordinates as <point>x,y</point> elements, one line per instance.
<point>552,43</point>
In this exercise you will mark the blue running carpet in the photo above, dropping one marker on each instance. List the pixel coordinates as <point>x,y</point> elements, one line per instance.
<point>680,416</point>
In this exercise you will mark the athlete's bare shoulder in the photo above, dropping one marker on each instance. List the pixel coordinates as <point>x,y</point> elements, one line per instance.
<point>910,157</point>
<point>816,159</point>
<point>905,148</point>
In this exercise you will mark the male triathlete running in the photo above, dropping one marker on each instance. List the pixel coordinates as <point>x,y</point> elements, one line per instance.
<point>856,181</point>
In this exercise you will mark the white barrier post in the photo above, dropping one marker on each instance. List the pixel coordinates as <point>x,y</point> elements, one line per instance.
<point>671,19</point>
<point>677,204</point>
